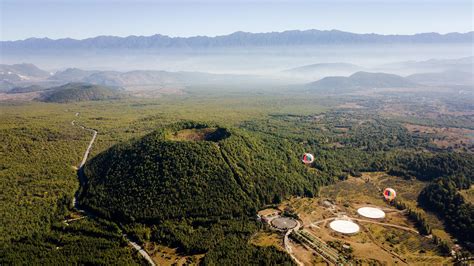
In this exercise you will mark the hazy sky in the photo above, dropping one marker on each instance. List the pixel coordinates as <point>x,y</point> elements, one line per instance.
<point>80,19</point>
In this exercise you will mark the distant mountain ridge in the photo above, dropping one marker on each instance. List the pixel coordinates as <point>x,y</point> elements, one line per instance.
<point>76,92</point>
<point>435,65</point>
<point>359,80</point>
<point>443,78</point>
<point>22,71</point>
<point>236,39</point>
<point>324,66</point>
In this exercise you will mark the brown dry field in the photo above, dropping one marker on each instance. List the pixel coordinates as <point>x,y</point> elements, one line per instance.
<point>307,255</point>
<point>163,255</point>
<point>432,109</point>
<point>268,211</point>
<point>28,96</point>
<point>445,137</point>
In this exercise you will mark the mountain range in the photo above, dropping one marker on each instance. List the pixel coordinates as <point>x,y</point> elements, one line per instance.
<point>236,39</point>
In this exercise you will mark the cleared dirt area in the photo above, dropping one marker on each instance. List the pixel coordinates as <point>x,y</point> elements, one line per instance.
<point>350,105</point>
<point>468,194</point>
<point>268,211</point>
<point>306,255</point>
<point>199,134</point>
<point>163,255</point>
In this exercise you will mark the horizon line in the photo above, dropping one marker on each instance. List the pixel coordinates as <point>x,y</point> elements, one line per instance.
<point>235,32</point>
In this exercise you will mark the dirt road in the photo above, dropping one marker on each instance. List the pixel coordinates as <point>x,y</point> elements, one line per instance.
<point>142,252</point>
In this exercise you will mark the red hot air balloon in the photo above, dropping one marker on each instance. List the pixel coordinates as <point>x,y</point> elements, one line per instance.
<point>308,158</point>
<point>389,194</point>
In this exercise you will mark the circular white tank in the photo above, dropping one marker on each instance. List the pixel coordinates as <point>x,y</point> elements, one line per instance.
<point>344,226</point>
<point>371,212</point>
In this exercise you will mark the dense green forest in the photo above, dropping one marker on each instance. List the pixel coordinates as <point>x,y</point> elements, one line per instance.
<point>235,251</point>
<point>428,167</point>
<point>83,242</point>
<point>443,198</point>
<point>37,175</point>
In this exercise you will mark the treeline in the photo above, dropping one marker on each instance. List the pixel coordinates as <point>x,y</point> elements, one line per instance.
<point>428,166</point>
<point>442,197</point>
<point>417,217</point>
<point>423,226</point>
<point>449,172</point>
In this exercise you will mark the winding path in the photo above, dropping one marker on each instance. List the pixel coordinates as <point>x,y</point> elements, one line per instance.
<point>387,224</point>
<point>136,246</point>
<point>287,244</point>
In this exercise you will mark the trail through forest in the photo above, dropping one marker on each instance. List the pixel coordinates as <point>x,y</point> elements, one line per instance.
<point>82,180</point>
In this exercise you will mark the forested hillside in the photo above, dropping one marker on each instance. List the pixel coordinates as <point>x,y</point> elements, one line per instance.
<point>217,185</point>
<point>442,197</point>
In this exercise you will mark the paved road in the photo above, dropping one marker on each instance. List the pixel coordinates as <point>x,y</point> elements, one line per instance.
<point>142,252</point>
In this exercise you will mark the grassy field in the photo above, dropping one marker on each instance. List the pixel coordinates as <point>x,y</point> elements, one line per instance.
<point>268,238</point>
